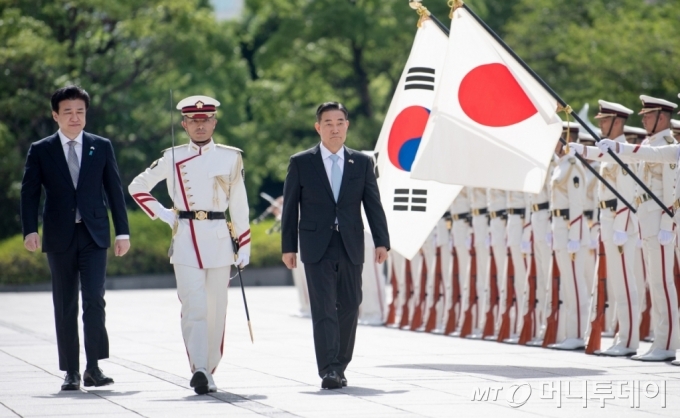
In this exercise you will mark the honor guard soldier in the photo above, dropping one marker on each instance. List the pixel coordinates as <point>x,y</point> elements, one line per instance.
<point>659,156</point>
<point>590,214</point>
<point>481,242</point>
<point>619,233</point>
<point>461,229</point>
<point>498,202</point>
<point>570,240</point>
<point>518,221</point>
<point>204,179</point>
<point>634,135</point>
<point>538,237</point>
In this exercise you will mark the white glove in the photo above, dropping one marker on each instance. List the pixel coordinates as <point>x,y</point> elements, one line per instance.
<point>548,239</point>
<point>525,247</point>
<point>242,260</point>
<point>620,238</point>
<point>665,237</point>
<point>606,144</point>
<point>573,246</point>
<point>577,148</point>
<point>168,216</point>
<point>593,244</point>
<point>638,243</point>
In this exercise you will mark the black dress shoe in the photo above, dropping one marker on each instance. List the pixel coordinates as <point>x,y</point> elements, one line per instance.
<point>331,380</point>
<point>95,377</point>
<point>199,381</point>
<point>71,381</point>
<point>344,382</point>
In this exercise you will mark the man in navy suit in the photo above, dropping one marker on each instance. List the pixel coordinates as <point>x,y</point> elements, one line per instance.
<point>322,198</point>
<point>79,173</point>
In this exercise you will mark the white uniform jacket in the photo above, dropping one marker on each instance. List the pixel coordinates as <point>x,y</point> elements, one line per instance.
<point>208,178</point>
<point>567,192</point>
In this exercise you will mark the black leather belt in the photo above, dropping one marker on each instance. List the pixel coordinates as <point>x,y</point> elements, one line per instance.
<point>459,216</point>
<point>498,214</point>
<point>201,215</point>
<point>588,214</point>
<point>481,211</point>
<point>560,213</point>
<point>608,204</point>
<point>540,206</point>
<point>517,211</point>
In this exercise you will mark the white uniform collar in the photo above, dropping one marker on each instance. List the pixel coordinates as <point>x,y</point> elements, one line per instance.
<point>202,150</point>
<point>64,139</point>
<point>325,152</point>
<point>621,138</point>
<point>660,136</point>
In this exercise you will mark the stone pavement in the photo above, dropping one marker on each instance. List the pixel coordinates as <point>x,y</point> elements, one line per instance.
<point>394,373</point>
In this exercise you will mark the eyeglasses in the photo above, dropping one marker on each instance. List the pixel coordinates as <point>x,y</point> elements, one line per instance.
<point>201,121</point>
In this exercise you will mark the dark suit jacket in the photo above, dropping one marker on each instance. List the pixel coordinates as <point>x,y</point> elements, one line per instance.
<point>46,168</point>
<point>307,196</point>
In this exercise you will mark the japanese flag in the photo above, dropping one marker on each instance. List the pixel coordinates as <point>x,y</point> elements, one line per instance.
<point>492,124</point>
<point>412,207</point>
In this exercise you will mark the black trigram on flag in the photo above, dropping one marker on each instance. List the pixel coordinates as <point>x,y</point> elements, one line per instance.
<point>421,78</point>
<point>410,199</point>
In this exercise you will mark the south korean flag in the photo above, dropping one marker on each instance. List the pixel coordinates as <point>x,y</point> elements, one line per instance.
<point>413,207</point>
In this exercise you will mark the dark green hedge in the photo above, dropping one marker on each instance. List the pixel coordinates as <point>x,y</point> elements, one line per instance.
<point>148,254</point>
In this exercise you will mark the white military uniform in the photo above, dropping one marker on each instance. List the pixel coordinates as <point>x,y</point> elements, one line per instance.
<point>480,227</point>
<point>540,235</point>
<point>616,218</point>
<point>438,242</point>
<point>461,229</point>
<point>372,308</point>
<point>497,201</point>
<point>518,220</point>
<point>207,178</point>
<point>660,177</point>
<point>397,267</point>
<point>590,213</point>
<point>569,228</point>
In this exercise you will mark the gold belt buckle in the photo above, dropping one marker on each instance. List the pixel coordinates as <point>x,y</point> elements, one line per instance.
<point>475,212</point>
<point>534,207</point>
<point>603,205</point>
<point>201,215</point>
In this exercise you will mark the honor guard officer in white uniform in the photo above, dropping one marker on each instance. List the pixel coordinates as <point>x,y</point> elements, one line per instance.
<point>461,229</point>
<point>590,214</point>
<point>659,170</point>
<point>540,235</point>
<point>518,221</point>
<point>570,240</point>
<point>619,231</point>
<point>498,203</point>
<point>204,179</point>
<point>480,229</point>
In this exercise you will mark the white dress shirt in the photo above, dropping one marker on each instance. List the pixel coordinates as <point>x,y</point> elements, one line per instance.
<point>79,153</point>
<point>328,163</point>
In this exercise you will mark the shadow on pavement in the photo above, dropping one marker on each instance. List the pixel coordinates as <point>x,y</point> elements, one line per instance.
<point>220,397</point>
<point>78,394</point>
<point>511,372</point>
<point>355,391</point>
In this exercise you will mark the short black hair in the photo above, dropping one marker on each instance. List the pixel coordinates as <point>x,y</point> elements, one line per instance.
<point>324,107</point>
<point>69,93</point>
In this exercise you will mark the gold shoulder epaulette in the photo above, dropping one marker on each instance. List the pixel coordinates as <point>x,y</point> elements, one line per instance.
<point>669,139</point>
<point>230,147</point>
<point>176,146</point>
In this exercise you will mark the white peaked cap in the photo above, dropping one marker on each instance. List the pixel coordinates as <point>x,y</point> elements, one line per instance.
<point>633,130</point>
<point>611,109</point>
<point>198,106</point>
<point>650,104</point>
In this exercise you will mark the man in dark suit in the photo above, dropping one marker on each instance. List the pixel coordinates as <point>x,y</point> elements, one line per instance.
<point>79,173</point>
<point>322,197</point>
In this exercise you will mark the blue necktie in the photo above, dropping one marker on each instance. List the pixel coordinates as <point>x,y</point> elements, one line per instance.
<point>336,176</point>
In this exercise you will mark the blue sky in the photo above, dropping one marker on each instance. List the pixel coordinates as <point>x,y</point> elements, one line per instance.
<point>227,9</point>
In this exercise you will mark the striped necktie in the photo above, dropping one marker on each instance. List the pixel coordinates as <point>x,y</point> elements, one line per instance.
<point>74,169</point>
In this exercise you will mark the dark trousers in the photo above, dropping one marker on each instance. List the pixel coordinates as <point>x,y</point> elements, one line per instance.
<point>82,263</point>
<point>334,285</point>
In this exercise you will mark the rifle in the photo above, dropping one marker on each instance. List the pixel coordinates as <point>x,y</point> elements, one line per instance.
<point>392,310</point>
<point>405,316</point>
<point>550,336</point>
<point>418,311</point>
<point>490,323</point>
<point>527,332</point>
<point>452,321</point>
<point>466,328</point>
<point>432,317</point>
<point>597,324</point>
<point>510,297</point>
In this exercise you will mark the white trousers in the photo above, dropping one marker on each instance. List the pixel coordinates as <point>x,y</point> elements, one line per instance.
<point>204,294</point>
<point>540,225</point>
<point>659,263</point>
<point>573,314</point>
<point>397,266</point>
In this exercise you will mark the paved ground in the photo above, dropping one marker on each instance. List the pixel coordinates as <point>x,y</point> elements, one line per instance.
<point>394,374</point>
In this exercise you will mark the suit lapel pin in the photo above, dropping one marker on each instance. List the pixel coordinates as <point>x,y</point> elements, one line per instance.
<point>350,161</point>
<point>91,150</point>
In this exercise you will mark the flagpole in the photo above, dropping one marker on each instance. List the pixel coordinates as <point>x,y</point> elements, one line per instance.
<point>576,117</point>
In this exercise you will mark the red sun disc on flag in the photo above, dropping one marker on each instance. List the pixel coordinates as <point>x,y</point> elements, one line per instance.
<point>490,95</point>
